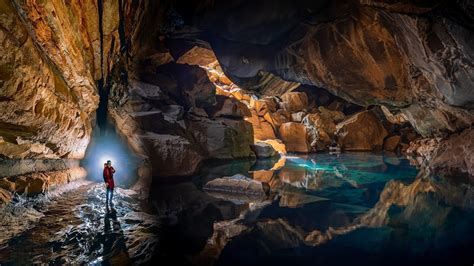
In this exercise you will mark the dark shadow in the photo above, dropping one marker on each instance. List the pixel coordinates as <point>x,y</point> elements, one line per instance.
<point>115,251</point>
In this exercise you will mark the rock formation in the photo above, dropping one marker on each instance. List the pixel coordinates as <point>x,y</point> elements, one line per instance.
<point>305,75</point>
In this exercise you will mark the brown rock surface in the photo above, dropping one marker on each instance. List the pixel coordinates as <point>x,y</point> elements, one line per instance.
<point>455,155</point>
<point>321,129</point>
<point>294,101</point>
<point>294,137</point>
<point>361,132</point>
<point>48,90</point>
<point>391,143</point>
<point>262,130</point>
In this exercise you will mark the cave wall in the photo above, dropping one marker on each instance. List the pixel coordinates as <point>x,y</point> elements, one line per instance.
<point>414,58</point>
<point>52,54</point>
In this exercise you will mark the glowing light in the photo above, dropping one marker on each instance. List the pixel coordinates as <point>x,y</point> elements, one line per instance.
<point>110,147</point>
<point>104,158</point>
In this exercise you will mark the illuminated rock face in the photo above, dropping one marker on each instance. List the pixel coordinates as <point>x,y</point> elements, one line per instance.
<point>361,132</point>
<point>48,71</point>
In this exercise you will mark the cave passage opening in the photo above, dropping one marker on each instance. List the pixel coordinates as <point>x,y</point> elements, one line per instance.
<point>106,144</point>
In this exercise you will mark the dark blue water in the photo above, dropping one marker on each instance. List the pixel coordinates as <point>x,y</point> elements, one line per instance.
<point>347,209</point>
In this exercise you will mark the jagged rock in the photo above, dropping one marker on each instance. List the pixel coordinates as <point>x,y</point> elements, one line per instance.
<point>321,129</point>
<point>361,132</point>
<point>263,150</point>
<point>238,184</point>
<point>294,137</point>
<point>391,143</point>
<point>294,101</point>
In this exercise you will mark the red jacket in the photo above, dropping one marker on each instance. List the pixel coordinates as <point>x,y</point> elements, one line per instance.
<point>109,176</point>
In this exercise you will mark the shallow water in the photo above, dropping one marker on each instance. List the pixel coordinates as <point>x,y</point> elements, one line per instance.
<point>347,209</point>
<point>75,227</point>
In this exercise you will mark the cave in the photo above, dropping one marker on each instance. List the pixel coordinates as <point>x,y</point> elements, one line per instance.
<point>238,132</point>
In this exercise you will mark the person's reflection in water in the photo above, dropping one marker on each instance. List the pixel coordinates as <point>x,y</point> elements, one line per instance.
<point>115,251</point>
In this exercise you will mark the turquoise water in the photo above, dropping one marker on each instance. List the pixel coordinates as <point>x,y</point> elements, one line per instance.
<point>346,209</point>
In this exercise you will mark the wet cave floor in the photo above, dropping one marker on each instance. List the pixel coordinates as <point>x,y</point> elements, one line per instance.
<point>322,209</point>
<point>76,227</point>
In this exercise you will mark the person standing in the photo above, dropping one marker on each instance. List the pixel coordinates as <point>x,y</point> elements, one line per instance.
<point>109,181</point>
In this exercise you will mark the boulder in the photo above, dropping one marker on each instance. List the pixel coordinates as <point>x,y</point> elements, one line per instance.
<point>294,101</point>
<point>223,138</point>
<point>361,132</point>
<point>294,136</point>
<point>391,143</point>
<point>263,150</point>
<point>171,155</point>
<point>238,184</point>
<point>321,129</point>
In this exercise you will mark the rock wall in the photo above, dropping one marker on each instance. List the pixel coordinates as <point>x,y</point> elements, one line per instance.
<point>51,57</point>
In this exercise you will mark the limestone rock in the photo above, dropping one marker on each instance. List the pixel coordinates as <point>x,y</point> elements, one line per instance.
<point>294,137</point>
<point>263,150</point>
<point>361,132</point>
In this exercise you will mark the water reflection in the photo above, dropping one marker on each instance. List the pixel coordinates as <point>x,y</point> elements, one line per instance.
<point>361,208</point>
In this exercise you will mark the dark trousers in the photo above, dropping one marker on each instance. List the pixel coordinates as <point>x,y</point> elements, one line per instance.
<point>109,193</point>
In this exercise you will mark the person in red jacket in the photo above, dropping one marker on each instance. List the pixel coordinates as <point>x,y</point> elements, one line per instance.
<point>109,180</point>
